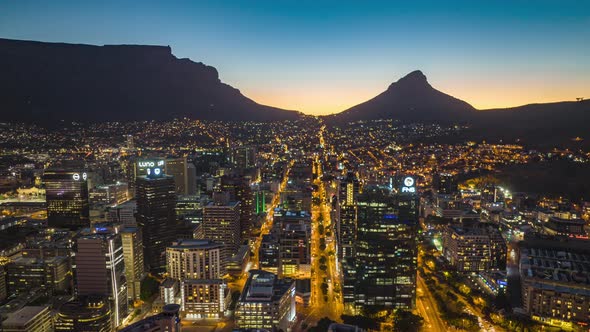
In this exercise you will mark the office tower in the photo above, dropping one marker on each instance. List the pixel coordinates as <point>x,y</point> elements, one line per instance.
<point>244,157</point>
<point>346,232</point>
<point>474,247</point>
<point>100,270</point>
<point>239,190</point>
<point>166,321</point>
<point>386,250</point>
<point>87,313</point>
<point>266,302</point>
<point>28,273</point>
<point>67,198</point>
<point>221,223</point>
<point>29,319</point>
<point>123,214</point>
<point>156,217</point>
<point>184,174</point>
<point>295,250</point>
<point>445,183</point>
<point>197,265</point>
<point>133,257</point>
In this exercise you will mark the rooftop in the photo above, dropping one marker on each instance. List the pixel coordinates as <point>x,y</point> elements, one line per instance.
<point>23,316</point>
<point>263,286</point>
<point>195,244</point>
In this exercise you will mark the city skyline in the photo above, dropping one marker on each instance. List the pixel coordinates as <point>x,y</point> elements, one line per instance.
<point>304,166</point>
<point>325,58</point>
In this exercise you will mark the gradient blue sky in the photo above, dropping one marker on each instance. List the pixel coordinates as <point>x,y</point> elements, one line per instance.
<point>322,57</point>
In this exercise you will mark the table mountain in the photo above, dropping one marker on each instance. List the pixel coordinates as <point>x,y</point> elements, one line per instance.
<point>48,82</point>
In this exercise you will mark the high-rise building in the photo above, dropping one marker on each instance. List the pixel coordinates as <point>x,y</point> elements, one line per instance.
<point>266,302</point>
<point>184,174</point>
<point>133,256</point>
<point>346,232</point>
<point>100,270</point>
<point>156,217</point>
<point>67,198</point>
<point>386,250</point>
<point>29,319</point>
<point>221,223</point>
<point>197,265</point>
<point>87,313</point>
<point>239,190</point>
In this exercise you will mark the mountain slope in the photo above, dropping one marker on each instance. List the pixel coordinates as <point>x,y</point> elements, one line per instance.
<point>411,98</point>
<point>548,123</point>
<point>47,82</point>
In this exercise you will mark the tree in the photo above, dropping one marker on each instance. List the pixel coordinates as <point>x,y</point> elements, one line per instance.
<point>235,296</point>
<point>321,229</point>
<point>149,287</point>
<point>361,321</point>
<point>322,325</point>
<point>405,321</point>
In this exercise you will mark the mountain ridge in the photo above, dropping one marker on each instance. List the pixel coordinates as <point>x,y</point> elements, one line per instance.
<point>47,82</point>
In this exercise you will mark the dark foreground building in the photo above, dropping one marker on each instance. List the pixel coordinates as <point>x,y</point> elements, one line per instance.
<point>156,200</point>
<point>386,250</point>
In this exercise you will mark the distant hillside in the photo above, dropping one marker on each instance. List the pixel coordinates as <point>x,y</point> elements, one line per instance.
<point>547,124</point>
<point>48,82</point>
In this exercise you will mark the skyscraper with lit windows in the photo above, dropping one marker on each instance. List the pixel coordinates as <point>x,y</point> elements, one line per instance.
<point>156,217</point>
<point>386,249</point>
<point>67,197</point>
<point>100,269</point>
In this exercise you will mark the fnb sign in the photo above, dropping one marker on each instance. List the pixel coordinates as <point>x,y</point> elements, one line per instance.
<point>408,185</point>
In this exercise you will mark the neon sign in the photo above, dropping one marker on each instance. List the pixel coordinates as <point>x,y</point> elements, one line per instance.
<point>76,176</point>
<point>150,163</point>
<point>409,185</point>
